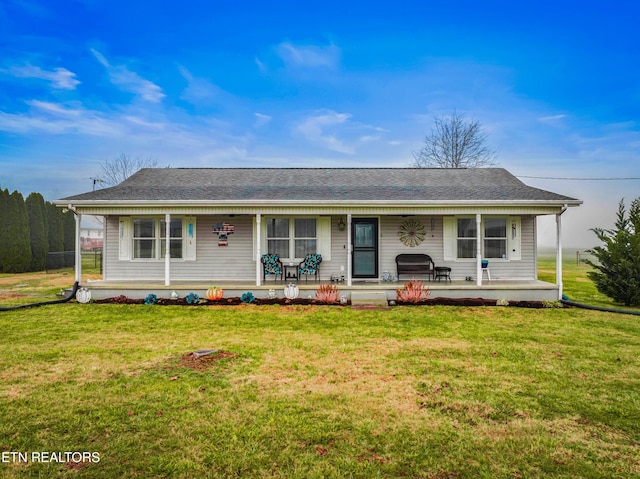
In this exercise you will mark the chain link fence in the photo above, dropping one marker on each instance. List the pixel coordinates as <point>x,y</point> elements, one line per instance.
<point>66,260</point>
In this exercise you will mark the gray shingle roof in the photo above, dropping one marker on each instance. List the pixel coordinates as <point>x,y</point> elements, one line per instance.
<point>321,184</point>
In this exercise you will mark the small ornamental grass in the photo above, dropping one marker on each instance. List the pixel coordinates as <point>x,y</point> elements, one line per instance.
<point>327,294</point>
<point>413,292</point>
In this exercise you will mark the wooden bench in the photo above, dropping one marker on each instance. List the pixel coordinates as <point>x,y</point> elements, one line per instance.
<point>415,264</point>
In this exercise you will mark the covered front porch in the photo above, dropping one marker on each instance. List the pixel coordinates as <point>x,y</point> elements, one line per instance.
<point>521,290</point>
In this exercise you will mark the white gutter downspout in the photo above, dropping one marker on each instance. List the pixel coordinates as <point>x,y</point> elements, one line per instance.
<point>167,249</point>
<point>478,249</point>
<point>78,251</point>
<point>258,252</point>
<point>349,250</point>
<point>559,251</point>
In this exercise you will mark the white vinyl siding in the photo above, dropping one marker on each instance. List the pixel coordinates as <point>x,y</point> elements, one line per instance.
<point>236,261</point>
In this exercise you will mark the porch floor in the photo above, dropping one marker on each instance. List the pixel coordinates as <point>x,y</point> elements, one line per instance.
<point>497,289</point>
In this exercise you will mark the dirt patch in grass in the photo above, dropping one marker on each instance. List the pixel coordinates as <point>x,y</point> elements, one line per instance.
<point>204,363</point>
<point>10,296</point>
<point>361,374</point>
<point>38,280</point>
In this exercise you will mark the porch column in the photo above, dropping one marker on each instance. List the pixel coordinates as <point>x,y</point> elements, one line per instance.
<point>478,249</point>
<point>258,252</point>
<point>167,249</point>
<point>559,254</point>
<point>349,251</point>
<point>78,251</point>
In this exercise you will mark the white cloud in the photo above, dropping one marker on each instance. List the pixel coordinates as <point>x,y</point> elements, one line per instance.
<point>130,81</point>
<point>201,91</point>
<point>314,129</point>
<point>261,119</point>
<point>309,56</point>
<point>260,64</point>
<point>60,78</point>
<point>552,118</point>
<point>56,118</point>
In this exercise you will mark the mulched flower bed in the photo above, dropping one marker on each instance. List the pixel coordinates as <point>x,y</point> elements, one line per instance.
<point>472,302</point>
<point>234,301</point>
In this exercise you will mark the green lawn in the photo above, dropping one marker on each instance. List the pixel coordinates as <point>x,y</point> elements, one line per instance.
<point>428,392</point>
<point>304,392</point>
<point>576,284</point>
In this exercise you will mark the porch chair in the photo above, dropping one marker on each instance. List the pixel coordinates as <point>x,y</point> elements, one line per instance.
<point>271,264</point>
<point>310,266</point>
<point>484,265</point>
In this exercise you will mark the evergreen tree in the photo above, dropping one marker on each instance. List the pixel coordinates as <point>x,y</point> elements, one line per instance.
<point>18,258</point>
<point>38,231</point>
<point>4,227</point>
<point>56,236</point>
<point>617,271</point>
<point>69,231</point>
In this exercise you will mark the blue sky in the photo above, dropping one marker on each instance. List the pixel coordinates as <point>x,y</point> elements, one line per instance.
<point>556,86</point>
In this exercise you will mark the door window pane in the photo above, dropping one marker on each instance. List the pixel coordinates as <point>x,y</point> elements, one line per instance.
<point>364,236</point>
<point>364,263</point>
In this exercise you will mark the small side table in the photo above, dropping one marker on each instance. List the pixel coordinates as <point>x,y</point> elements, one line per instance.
<point>291,271</point>
<point>443,272</point>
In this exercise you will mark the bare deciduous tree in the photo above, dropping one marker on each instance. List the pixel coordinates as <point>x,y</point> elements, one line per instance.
<point>455,142</point>
<point>120,168</point>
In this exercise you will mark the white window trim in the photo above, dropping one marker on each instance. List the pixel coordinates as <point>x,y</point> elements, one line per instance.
<point>514,233</point>
<point>158,239</point>
<point>292,235</point>
<point>323,235</point>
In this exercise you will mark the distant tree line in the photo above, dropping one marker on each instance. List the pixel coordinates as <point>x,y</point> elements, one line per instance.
<point>31,228</point>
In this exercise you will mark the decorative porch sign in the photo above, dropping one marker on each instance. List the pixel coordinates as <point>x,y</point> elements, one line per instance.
<point>411,233</point>
<point>223,230</point>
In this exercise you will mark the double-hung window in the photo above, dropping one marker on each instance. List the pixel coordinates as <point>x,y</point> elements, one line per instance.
<point>144,238</point>
<point>305,237</point>
<point>292,238</point>
<point>150,238</point>
<point>467,238</point>
<point>495,238</point>
<point>499,237</point>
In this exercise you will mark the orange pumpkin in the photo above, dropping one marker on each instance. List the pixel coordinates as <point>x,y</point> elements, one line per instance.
<point>214,293</point>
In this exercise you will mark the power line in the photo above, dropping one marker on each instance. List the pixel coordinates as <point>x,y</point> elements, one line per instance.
<point>578,179</point>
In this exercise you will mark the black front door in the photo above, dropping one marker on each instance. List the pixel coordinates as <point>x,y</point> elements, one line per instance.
<point>364,235</point>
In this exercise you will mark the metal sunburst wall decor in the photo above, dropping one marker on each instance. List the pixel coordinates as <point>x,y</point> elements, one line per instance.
<point>411,233</point>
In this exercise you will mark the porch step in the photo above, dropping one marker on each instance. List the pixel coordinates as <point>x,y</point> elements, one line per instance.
<point>369,299</point>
